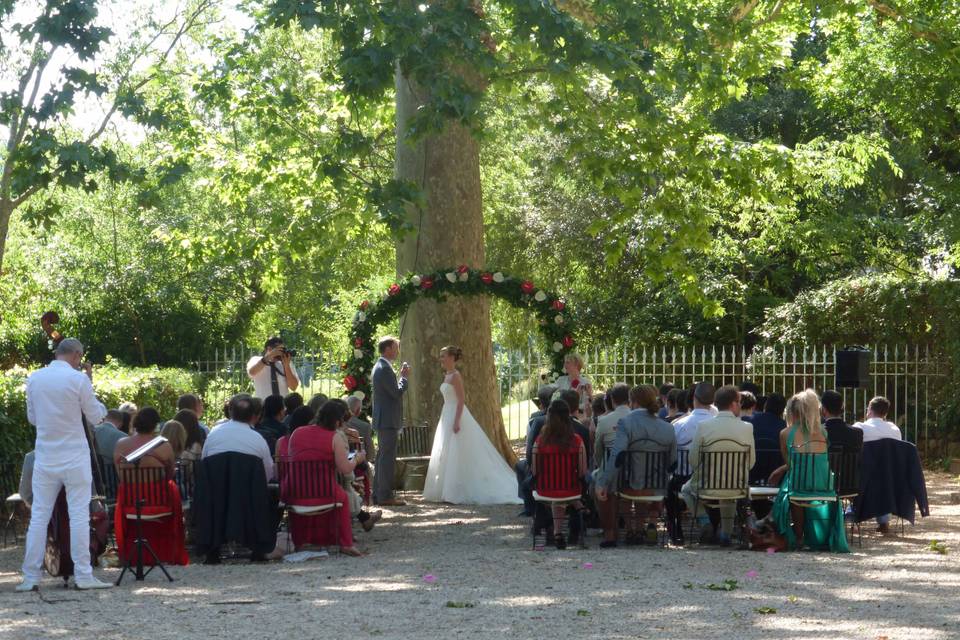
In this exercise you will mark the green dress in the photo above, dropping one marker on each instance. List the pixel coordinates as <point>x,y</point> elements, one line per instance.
<point>823,525</point>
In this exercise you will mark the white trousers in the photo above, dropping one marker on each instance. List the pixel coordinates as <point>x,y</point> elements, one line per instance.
<point>46,486</point>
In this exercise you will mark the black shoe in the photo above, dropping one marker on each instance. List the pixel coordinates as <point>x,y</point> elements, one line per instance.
<point>258,557</point>
<point>559,541</point>
<point>677,541</point>
<point>608,544</point>
<point>524,514</point>
<point>212,558</point>
<point>633,539</point>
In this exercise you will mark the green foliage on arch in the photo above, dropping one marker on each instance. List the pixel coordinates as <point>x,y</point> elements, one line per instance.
<point>550,309</point>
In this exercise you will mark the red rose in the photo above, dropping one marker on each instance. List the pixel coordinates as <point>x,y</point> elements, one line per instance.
<point>393,290</point>
<point>426,283</point>
<point>364,305</point>
<point>575,383</point>
<point>463,268</point>
<point>567,341</point>
<point>350,383</point>
<point>358,343</point>
<point>559,305</point>
<point>486,278</point>
<point>527,287</point>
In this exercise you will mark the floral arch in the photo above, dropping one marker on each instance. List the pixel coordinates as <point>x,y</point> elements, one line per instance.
<point>555,326</point>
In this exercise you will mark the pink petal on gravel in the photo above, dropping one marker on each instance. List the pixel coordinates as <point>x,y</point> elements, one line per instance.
<point>588,565</point>
<point>771,550</point>
<point>752,573</point>
<point>429,579</point>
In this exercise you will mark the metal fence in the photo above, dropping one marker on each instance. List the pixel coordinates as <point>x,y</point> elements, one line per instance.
<point>908,375</point>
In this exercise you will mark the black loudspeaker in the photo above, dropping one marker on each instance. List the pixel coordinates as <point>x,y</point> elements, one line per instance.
<point>853,368</point>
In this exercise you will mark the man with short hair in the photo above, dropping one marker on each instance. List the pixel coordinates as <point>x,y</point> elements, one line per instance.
<point>272,372</point>
<point>292,401</point>
<point>876,427</point>
<point>665,390</point>
<point>725,432</point>
<point>387,418</point>
<point>607,424</point>
<point>523,469</point>
<point>839,433</point>
<point>107,434</point>
<point>237,434</point>
<point>572,398</point>
<point>59,397</point>
<point>271,424</point>
<point>193,402</point>
<point>687,426</point>
<point>364,428</point>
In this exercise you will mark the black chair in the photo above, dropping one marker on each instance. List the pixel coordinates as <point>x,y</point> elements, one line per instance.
<point>558,480</point>
<point>675,506</point>
<point>769,459</point>
<point>723,473</point>
<point>644,476</point>
<point>845,465</point>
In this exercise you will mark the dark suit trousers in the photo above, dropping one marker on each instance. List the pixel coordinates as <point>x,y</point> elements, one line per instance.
<point>386,463</point>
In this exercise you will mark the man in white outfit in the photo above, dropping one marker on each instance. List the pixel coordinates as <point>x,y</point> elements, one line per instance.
<point>58,396</point>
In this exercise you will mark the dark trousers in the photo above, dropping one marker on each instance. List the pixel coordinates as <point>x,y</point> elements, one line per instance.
<point>386,464</point>
<point>525,486</point>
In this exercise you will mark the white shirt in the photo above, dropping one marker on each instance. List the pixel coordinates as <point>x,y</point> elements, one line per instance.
<point>238,437</point>
<point>878,429</point>
<point>565,382</point>
<point>57,396</point>
<point>686,430</point>
<point>261,379</point>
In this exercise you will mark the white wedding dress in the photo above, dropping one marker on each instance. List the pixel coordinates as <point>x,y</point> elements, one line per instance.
<point>465,467</point>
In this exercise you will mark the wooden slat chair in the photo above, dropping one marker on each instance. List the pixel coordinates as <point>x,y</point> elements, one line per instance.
<point>413,457</point>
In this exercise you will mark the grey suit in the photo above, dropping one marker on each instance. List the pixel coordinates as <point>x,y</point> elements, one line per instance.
<point>387,422</point>
<point>639,425</point>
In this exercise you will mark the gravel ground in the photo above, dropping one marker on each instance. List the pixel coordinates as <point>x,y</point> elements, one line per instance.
<point>490,584</point>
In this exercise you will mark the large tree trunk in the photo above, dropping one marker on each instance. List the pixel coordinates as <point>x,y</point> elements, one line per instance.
<point>448,232</point>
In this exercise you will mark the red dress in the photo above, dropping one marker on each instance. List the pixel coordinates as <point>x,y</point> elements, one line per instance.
<point>316,443</point>
<point>165,536</point>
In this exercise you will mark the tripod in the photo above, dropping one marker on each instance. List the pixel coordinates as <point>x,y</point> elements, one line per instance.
<point>140,542</point>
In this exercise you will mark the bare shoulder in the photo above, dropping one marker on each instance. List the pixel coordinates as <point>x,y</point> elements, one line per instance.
<point>455,376</point>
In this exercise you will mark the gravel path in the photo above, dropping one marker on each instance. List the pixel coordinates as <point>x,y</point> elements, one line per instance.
<point>490,584</point>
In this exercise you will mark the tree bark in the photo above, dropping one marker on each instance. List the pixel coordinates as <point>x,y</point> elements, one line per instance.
<point>448,231</point>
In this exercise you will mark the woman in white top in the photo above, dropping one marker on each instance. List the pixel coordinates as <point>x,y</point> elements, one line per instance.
<point>574,379</point>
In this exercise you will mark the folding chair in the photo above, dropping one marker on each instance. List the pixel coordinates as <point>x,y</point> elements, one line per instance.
<point>559,480</point>
<point>142,496</point>
<point>643,477</point>
<point>722,477</point>
<point>308,490</point>
<point>846,473</point>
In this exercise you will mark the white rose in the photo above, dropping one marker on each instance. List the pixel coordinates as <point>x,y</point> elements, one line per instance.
<point>452,277</point>
<point>498,277</point>
<point>557,346</point>
<point>415,281</point>
<point>464,276</point>
<point>357,353</point>
<point>558,319</point>
<point>540,296</point>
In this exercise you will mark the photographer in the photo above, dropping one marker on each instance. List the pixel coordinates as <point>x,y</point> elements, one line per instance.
<point>272,373</point>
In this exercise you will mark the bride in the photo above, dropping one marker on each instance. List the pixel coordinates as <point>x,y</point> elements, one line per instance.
<point>465,467</point>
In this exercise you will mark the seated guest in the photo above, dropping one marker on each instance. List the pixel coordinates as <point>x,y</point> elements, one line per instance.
<point>301,417</point>
<point>556,437</point>
<point>292,401</point>
<point>196,436</point>
<point>271,427</point>
<point>599,404</point>
<point>107,434</point>
<point>225,415</point>
<point>607,402</point>
<point>748,403</point>
<point>318,401</point>
<point>523,467</point>
<point>320,442</point>
<point>575,380</point>
<point>176,436</point>
<point>145,429</point>
<point>573,401</point>
<point>607,424</point>
<point>768,424</point>
<point>676,404</point>
<point>876,427</point>
<point>686,428</point>
<point>355,405</point>
<point>237,434</point>
<point>640,424</point>
<point>819,525</point>
<point>193,403</point>
<point>166,534</point>
<point>839,433</point>
<point>726,432</point>
<point>664,409</point>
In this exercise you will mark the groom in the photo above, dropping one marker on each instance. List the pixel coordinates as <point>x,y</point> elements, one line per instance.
<point>387,418</point>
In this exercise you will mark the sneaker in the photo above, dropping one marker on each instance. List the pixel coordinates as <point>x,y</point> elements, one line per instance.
<point>372,520</point>
<point>93,583</point>
<point>27,585</point>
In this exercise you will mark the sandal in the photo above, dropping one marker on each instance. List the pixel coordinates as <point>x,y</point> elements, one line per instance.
<point>353,552</point>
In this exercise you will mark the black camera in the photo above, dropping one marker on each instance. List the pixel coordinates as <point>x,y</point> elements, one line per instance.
<point>290,352</point>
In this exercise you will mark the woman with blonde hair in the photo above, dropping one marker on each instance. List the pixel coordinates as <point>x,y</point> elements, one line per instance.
<point>804,445</point>
<point>574,378</point>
